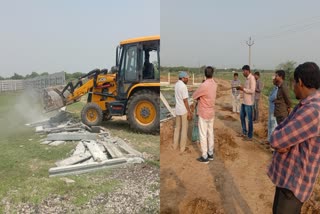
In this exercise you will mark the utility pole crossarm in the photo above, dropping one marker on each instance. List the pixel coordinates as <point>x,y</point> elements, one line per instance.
<point>250,43</point>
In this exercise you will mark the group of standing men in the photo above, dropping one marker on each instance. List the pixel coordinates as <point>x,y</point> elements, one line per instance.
<point>205,97</point>
<point>295,140</point>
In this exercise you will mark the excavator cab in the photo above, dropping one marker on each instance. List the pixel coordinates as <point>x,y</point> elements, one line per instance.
<point>130,88</point>
<point>138,76</point>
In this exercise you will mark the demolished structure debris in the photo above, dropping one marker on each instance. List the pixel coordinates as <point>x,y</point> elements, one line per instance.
<point>94,150</point>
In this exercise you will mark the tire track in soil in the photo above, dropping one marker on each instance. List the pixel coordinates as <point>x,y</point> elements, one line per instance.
<point>232,200</point>
<point>175,191</point>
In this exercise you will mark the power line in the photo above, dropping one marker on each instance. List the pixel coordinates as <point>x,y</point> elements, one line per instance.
<point>316,18</point>
<point>298,28</point>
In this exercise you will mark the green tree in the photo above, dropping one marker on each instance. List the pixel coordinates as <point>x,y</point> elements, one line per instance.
<point>76,75</point>
<point>44,74</point>
<point>288,67</point>
<point>17,77</point>
<point>32,75</point>
<point>73,76</point>
<point>1,78</point>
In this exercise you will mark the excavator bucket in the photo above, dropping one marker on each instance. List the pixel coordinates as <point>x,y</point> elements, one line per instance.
<point>53,99</point>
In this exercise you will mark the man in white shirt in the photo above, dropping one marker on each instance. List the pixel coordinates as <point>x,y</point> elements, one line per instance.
<point>246,110</point>
<point>182,111</point>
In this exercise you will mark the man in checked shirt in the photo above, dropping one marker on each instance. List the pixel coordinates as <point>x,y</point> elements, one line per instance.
<point>296,161</point>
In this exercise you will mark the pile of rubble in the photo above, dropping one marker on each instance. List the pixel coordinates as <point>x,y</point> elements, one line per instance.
<point>96,149</point>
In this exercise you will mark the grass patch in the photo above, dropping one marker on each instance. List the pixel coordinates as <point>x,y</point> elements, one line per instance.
<point>155,163</point>
<point>80,192</point>
<point>266,78</point>
<point>76,108</point>
<point>24,162</point>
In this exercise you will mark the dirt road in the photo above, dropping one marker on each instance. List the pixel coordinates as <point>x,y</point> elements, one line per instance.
<point>234,182</point>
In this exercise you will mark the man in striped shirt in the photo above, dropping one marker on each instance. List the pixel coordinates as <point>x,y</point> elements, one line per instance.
<point>296,161</point>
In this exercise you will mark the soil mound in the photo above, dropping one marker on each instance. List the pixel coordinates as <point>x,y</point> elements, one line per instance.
<point>201,206</point>
<point>225,145</point>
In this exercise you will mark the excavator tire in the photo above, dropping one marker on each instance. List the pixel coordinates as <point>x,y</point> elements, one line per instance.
<point>91,114</point>
<point>143,111</point>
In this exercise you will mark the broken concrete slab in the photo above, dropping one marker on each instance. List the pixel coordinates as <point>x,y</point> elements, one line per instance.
<point>38,123</point>
<point>72,136</point>
<point>56,143</point>
<point>39,129</point>
<point>85,167</point>
<point>135,160</point>
<point>112,149</point>
<point>127,148</point>
<point>86,127</point>
<point>90,160</point>
<point>46,142</point>
<point>95,151</point>
<point>62,116</point>
<point>102,148</point>
<point>80,149</point>
<point>74,159</point>
<point>64,128</point>
<point>68,123</point>
<point>95,129</point>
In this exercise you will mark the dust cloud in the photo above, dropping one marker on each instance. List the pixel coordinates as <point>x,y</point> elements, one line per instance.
<point>20,109</point>
<point>29,107</point>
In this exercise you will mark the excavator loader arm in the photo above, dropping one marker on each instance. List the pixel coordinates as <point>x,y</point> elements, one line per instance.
<point>57,97</point>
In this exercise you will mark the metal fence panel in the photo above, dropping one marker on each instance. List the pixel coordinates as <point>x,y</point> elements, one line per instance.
<point>35,83</point>
<point>46,81</point>
<point>11,85</point>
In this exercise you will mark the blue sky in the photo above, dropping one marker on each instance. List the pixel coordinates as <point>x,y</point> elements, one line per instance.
<point>71,36</point>
<point>212,32</point>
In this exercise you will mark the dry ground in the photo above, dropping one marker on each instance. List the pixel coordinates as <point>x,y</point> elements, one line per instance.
<point>235,182</point>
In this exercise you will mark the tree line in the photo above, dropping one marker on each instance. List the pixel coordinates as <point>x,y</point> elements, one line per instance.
<point>196,70</point>
<point>16,76</point>
<point>287,66</point>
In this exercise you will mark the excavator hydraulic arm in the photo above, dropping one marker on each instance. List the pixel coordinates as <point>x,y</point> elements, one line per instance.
<point>57,97</point>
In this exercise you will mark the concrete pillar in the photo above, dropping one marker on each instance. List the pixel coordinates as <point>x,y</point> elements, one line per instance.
<point>192,79</point>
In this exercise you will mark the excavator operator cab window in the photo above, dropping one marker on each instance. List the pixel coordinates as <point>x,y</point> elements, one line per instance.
<point>150,60</point>
<point>148,68</point>
<point>131,64</point>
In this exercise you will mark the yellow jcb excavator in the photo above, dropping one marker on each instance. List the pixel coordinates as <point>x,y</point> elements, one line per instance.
<point>130,88</point>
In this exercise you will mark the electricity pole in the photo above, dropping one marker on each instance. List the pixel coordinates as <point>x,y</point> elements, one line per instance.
<point>250,43</point>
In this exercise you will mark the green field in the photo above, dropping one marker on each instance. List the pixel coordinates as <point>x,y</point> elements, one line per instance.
<point>266,78</point>
<point>24,163</point>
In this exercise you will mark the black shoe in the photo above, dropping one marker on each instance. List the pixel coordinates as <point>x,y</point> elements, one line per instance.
<point>203,160</point>
<point>210,157</point>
